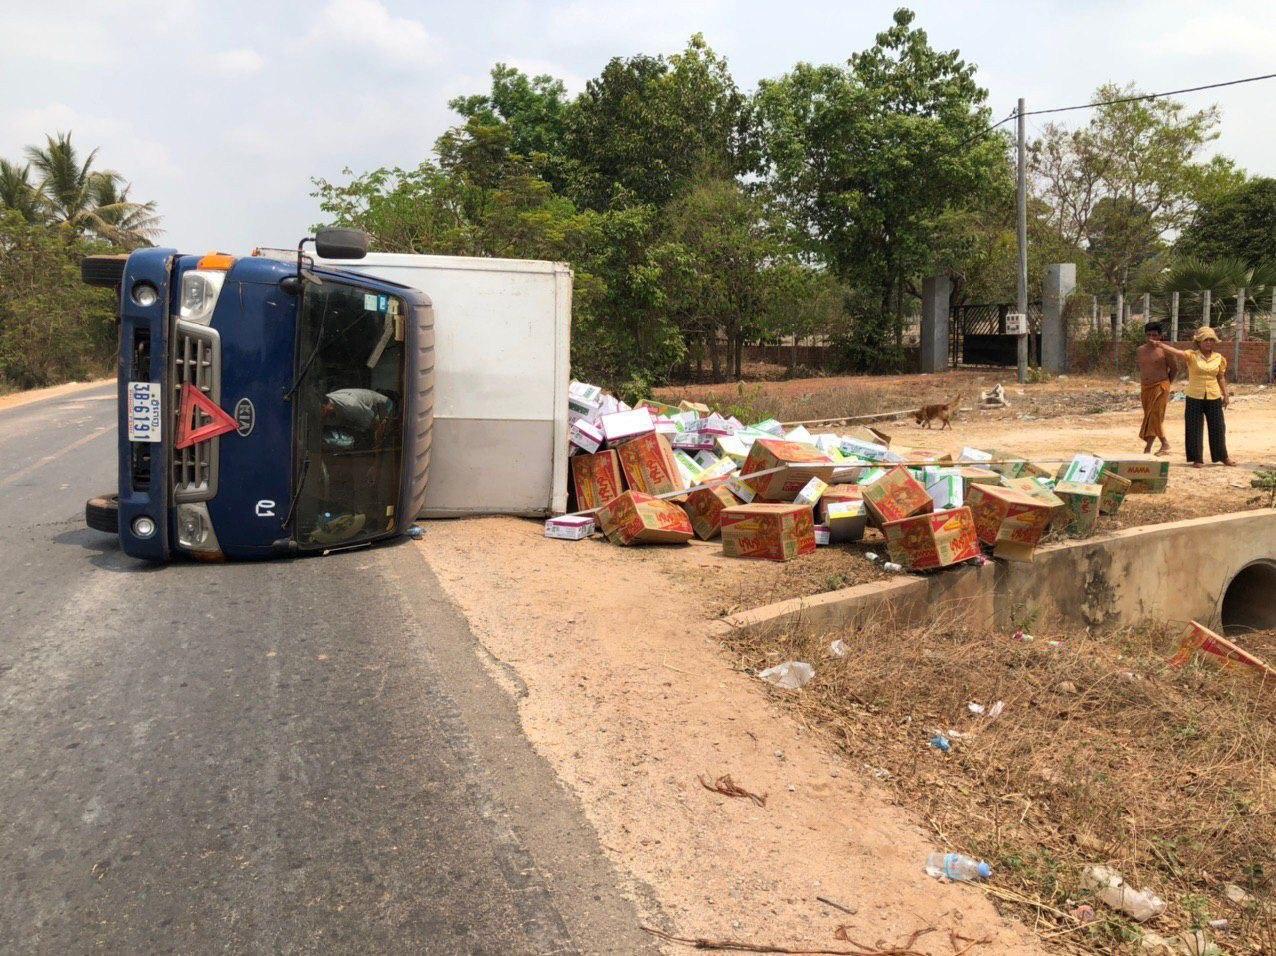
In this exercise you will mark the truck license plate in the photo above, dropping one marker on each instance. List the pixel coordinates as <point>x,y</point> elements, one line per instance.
<point>144,411</point>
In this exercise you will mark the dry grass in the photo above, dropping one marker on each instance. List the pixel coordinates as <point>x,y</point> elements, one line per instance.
<point>1102,755</point>
<point>811,399</point>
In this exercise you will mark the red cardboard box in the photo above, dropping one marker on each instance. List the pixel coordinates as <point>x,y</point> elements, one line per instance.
<point>836,495</point>
<point>636,518</point>
<point>927,541</point>
<point>597,479</point>
<point>780,532</point>
<point>895,496</point>
<point>1010,520</point>
<point>649,465</point>
<point>783,486</point>
<point>704,508</point>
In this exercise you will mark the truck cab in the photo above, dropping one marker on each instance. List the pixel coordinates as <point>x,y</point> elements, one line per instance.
<point>265,407</point>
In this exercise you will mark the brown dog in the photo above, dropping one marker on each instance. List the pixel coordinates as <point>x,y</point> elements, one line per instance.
<point>927,414</point>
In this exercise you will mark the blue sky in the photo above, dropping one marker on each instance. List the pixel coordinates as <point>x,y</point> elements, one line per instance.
<point>223,112</point>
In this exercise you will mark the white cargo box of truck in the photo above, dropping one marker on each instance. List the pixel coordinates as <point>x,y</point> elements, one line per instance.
<point>502,336</point>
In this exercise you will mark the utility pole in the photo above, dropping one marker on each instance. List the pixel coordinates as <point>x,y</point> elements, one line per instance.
<point>1239,334</point>
<point>1021,302</point>
<point>1174,316</point>
<point>1205,308</point>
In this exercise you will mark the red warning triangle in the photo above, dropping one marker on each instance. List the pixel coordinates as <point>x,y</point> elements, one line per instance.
<point>187,433</point>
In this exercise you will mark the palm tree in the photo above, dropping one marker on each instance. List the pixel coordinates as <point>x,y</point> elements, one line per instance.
<point>89,200</point>
<point>119,219</point>
<point>18,193</point>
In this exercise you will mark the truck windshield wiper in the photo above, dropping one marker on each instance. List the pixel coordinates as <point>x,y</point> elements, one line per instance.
<point>296,491</point>
<point>314,352</point>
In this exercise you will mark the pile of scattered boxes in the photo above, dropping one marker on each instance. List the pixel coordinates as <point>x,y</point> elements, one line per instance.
<point>657,473</point>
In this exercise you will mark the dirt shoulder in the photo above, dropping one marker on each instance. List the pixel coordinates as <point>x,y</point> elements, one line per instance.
<point>17,399</point>
<point>631,705</point>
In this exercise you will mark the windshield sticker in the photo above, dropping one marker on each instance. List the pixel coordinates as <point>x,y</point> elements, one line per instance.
<point>369,302</point>
<point>383,303</point>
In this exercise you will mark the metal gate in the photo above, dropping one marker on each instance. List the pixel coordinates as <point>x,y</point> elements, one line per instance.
<point>977,334</point>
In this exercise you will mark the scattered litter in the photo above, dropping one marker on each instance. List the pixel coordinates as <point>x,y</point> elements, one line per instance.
<point>1084,914</point>
<point>1235,894</point>
<point>975,708</point>
<point>791,675</point>
<point>1066,687</point>
<point>872,555</point>
<point>957,867</point>
<point>892,567</point>
<point>416,532</point>
<point>941,743</point>
<point>838,648</point>
<point>1019,635</point>
<point>1220,925</point>
<point>1112,890</point>
<point>728,788</point>
<point>848,910</point>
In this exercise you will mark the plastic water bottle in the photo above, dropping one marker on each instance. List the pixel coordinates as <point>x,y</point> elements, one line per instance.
<point>956,867</point>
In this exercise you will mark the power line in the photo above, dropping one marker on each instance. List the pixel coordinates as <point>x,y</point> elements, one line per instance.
<point>1150,96</point>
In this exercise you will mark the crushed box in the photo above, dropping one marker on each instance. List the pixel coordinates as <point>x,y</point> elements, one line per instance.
<point>780,532</point>
<point>704,508</point>
<point>1081,504</point>
<point>1009,520</point>
<point>798,464</point>
<point>1147,474</point>
<point>896,495</point>
<point>597,479</point>
<point>1115,488</point>
<point>637,518</point>
<point>936,540</point>
<point>649,465</point>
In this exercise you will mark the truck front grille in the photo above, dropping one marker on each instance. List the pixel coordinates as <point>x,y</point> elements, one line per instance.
<point>196,361</point>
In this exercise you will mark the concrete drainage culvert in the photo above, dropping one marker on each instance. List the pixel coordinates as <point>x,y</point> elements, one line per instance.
<point>1249,602</point>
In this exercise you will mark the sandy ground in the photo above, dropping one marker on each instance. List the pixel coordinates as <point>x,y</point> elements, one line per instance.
<point>15,399</point>
<point>631,705</point>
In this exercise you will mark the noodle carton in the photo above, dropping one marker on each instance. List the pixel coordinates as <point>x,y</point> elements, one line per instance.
<point>597,479</point>
<point>1081,501</point>
<point>780,532</point>
<point>570,527</point>
<point>649,465</point>
<point>784,485</point>
<point>936,540</point>
<point>1115,488</point>
<point>896,495</point>
<point>1009,520</point>
<point>637,518</point>
<point>704,507</point>
<point>1147,474</point>
<point>846,520</point>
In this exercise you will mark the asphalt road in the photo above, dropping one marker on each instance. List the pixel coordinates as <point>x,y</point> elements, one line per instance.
<point>303,755</point>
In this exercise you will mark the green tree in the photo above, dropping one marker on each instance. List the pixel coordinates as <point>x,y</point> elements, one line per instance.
<point>647,126</point>
<point>52,326</point>
<point>1127,179</point>
<point>18,193</point>
<point>864,160</point>
<point>1236,224</point>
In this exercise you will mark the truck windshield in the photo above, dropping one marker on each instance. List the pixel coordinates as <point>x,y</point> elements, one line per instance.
<point>349,414</point>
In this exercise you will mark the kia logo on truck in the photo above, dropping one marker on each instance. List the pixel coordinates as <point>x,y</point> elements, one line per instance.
<point>245,417</point>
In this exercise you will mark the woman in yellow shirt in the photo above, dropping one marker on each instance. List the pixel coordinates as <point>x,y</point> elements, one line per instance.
<point>1206,396</point>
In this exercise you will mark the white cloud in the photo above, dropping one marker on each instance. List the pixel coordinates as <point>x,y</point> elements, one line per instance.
<point>241,62</point>
<point>364,29</point>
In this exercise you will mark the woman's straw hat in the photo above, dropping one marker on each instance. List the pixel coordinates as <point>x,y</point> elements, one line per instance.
<point>1203,333</point>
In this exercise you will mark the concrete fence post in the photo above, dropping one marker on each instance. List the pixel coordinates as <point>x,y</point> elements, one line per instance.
<point>1174,316</point>
<point>1061,279</point>
<point>1094,312</point>
<point>936,291</point>
<point>1271,340</point>
<point>1147,307</point>
<point>1205,307</point>
<point>1239,334</point>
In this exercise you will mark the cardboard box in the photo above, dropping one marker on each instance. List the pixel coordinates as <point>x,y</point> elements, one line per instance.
<point>570,527</point>
<point>838,493</point>
<point>780,532</point>
<point>741,489</point>
<point>1082,470</point>
<point>597,479</point>
<point>581,409</point>
<point>692,441</point>
<point>972,475</point>
<point>1147,474</point>
<point>928,541</point>
<point>811,492</point>
<point>636,518</point>
<point>783,485</point>
<point>721,468</point>
<point>619,426</point>
<point>658,408</point>
<point>1081,503</point>
<point>1115,488</point>
<point>821,535</point>
<point>586,436</point>
<point>969,454</point>
<point>1035,489</point>
<point>649,465</point>
<point>869,451</point>
<point>692,473</point>
<point>846,520</point>
<point>732,446</point>
<point>1006,463</point>
<point>704,509</point>
<point>895,496</point>
<point>867,476</point>
<point>701,410</point>
<point>770,426</point>
<point>1008,520</point>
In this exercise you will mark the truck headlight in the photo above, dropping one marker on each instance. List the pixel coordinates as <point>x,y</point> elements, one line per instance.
<point>200,288</point>
<point>195,527</point>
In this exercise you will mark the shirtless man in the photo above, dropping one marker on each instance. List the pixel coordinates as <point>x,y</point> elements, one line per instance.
<point>1155,372</point>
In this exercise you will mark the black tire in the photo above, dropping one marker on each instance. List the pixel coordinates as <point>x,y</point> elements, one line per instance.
<point>103,513</point>
<point>104,271</point>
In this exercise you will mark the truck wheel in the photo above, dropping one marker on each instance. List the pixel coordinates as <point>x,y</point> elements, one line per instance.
<point>103,513</point>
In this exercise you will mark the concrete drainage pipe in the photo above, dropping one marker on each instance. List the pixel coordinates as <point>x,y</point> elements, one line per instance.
<point>1249,602</point>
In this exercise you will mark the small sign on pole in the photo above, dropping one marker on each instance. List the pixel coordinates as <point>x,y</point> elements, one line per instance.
<point>1016,323</point>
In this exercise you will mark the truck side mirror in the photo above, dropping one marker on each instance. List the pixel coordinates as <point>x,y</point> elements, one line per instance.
<point>335,242</point>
